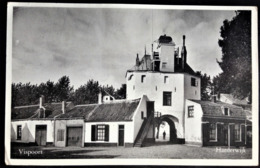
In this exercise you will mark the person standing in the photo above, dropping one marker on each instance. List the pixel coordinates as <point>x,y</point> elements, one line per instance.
<point>164,134</point>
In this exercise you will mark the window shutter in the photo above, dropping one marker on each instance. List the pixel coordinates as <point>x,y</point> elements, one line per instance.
<point>243,133</point>
<point>106,132</point>
<point>93,132</point>
<point>205,131</point>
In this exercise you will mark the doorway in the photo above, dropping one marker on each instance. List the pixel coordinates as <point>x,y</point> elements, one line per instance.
<point>41,135</point>
<point>121,135</point>
<point>74,136</point>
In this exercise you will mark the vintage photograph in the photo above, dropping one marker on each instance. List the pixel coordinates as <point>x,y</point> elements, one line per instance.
<point>92,82</point>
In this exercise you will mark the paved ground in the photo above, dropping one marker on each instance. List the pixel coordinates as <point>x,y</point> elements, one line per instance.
<point>164,151</point>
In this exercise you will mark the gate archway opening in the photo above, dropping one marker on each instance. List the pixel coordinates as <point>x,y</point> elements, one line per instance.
<point>166,123</point>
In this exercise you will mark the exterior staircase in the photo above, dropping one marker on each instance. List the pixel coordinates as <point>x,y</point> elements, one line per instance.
<point>143,132</point>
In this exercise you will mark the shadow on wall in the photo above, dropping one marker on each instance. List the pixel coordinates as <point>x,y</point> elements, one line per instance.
<point>27,135</point>
<point>13,133</point>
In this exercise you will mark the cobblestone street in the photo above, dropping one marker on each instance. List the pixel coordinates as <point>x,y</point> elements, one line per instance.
<point>166,151</point>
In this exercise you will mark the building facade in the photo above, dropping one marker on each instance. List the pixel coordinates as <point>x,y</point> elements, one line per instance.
<point>168,81</point>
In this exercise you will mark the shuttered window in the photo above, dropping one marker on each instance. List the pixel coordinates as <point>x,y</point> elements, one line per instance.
<point>100,133</point>
<point>60,135</point>
<point>190,111</point>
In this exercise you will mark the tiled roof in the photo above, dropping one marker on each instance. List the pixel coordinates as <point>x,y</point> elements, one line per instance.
<point>32,112</point>
<point>22,112</point>
<point>216,108</point>
<point>114,111</point>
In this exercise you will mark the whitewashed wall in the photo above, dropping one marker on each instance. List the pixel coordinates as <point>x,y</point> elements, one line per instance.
<point>63,124</point>
<point>193,126</point>
<point>153,86</point>
<point>113,131</point>
<point>29,130</point>
<point>138,121</point>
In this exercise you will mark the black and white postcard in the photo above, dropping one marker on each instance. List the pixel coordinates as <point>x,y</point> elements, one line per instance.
<point>106,84</point>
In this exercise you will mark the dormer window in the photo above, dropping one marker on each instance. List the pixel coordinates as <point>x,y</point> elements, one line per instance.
<point>225,111</point>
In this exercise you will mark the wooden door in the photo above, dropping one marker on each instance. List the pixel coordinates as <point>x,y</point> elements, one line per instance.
<point>74,136</point>
<point>150,108</point>
<point>41,135</point>
<point>121,135</point>
<point>225,133</point>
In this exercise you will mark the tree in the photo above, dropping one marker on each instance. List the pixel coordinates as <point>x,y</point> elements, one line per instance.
<point>62,89</point>
<point>121,92</point>
<point>88,93</point>
<point>206,85</point>
<point>235,63</point>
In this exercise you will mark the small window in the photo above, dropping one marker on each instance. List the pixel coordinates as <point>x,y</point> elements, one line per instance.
<point>142,115</point>
<point>213,132</point>
<point>143,78</point>
<point>133,87</point>
<point>60,135</point>
<point>166,79</point>
<point>130,77</point>
<point>164,64</point>
<point>19,132</point>
<point>226,111</point>
<point>156,88</point>
<point>195,92</point>
<point>167,98</point>
<point>194,82</point>
<point>190,111</point>
<point>237,132</point>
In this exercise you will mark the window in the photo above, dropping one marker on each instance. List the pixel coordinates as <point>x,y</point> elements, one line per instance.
<point>133,87</point>
<point>60,135</point>
<point>190,111</point>
<point>143,78</point>
<point>142,115</point>
<point>130,77</point>
<point>164,64</point>
<point>194,82</point>
<point>212,132</point>
<point>19,132</point>
<point>226,111</point>
<point>167,98</point>
<point>166,79</point>
<point>100,133</point>
<point>156,88</point>
<point>237,132</point>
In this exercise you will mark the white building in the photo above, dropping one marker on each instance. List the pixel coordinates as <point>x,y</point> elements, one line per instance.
<point>169,82</point>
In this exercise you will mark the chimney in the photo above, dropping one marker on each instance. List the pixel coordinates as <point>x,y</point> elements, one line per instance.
<point>183,53</point>
<point>63,107</point>
<point>99,97</point>
<point>214,98</point>
<point>41,101</point>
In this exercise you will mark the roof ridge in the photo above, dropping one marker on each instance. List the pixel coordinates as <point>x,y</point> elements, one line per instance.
<point>16,107</point>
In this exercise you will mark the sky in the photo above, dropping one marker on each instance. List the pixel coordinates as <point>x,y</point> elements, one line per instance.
<point>102,43</point>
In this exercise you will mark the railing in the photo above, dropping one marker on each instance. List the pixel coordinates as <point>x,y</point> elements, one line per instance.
<point>143,131</point>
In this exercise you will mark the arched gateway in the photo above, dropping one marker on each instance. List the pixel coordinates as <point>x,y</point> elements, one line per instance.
<point>172,121</point>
